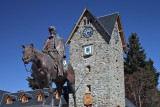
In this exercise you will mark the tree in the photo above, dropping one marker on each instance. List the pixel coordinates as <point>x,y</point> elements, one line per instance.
<point>135,87</point>
<point>152,74</point>
<point>134,70</point>
<point>33,84</point>
<point>136,56</point>
<point>141,78</point>
<point>152,94</point>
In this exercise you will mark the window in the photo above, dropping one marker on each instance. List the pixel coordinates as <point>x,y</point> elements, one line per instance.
<point>39,96</point>
<point>8,100</point>
<point>88,68</point>
<point>88,89</point>
<point>88,100</point>
<point>90,20</point>
<point>87,21</point>
<point>56,94</point>
<point>24,98</point>
<point>84,22</point>
<point>87,50</point>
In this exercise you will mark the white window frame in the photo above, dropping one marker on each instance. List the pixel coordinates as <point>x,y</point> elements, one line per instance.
<point>90,51</point>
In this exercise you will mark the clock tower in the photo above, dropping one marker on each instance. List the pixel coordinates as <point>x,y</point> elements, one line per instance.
<point>96,54</point>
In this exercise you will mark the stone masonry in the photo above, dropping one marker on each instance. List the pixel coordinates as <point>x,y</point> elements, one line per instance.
<point>106,75</point>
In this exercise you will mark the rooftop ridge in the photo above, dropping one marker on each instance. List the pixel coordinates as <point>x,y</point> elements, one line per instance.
<point>108,15</point>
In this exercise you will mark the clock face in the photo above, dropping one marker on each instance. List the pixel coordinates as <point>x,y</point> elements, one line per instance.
<point>88,32</point>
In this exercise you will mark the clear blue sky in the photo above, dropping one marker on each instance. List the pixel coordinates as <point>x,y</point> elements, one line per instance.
<point>27,21</point>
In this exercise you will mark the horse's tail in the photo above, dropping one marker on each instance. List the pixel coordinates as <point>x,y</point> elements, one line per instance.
<point>71,80</point>
<point>71,74</point>
<point>71,77</point>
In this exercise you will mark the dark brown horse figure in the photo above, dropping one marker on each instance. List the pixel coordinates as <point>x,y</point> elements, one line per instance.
<point>44,67</point>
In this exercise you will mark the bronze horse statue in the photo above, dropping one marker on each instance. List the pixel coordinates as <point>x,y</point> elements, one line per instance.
<point>44,67</point>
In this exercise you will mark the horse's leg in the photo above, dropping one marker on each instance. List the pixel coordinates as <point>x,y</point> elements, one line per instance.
<point>40,84</point>
<point>49,79</point>
<point>60,96</point>
<point>59,86</point>
<point>74,94</point>
<point>72,87</point>
<point>38,80</point>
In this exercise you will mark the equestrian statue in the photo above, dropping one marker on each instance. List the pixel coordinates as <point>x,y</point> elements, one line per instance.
<point>48,65</point>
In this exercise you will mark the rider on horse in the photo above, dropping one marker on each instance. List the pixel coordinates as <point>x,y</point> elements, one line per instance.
<point>55,44</point>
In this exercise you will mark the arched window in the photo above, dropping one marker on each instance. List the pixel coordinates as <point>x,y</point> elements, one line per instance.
<point>39,96</point>
<point>88,100</point>
<point>88,89</point>
<point>56,94</point>
<point>8,100</point>
<point>88,68</point>
<point>24,98</point>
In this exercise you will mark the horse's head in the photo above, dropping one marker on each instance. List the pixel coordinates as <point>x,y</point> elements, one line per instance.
<point>28,53</point>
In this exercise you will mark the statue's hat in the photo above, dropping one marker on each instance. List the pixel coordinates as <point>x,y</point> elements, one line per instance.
<point>51,28</point>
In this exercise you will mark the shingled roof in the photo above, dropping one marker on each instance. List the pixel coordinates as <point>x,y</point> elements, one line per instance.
<point>2,93</point>
<point>109,21</point>
<point>32,102</point>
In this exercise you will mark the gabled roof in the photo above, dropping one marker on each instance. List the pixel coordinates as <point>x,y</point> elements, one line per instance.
<point>106,22</point>
<point>109,21</point>
<point>79,20</point>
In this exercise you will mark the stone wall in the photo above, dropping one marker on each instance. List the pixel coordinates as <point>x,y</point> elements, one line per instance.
<point>117,94</point>
<point>106,76</point>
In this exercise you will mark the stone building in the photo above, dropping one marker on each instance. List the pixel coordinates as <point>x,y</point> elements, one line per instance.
<point>96,54</point>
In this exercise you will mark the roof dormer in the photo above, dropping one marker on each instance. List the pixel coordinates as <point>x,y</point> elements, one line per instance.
<point>10,98</point>
<point>40,95</point>
<point>25,97</point>
<point>56,94</point>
